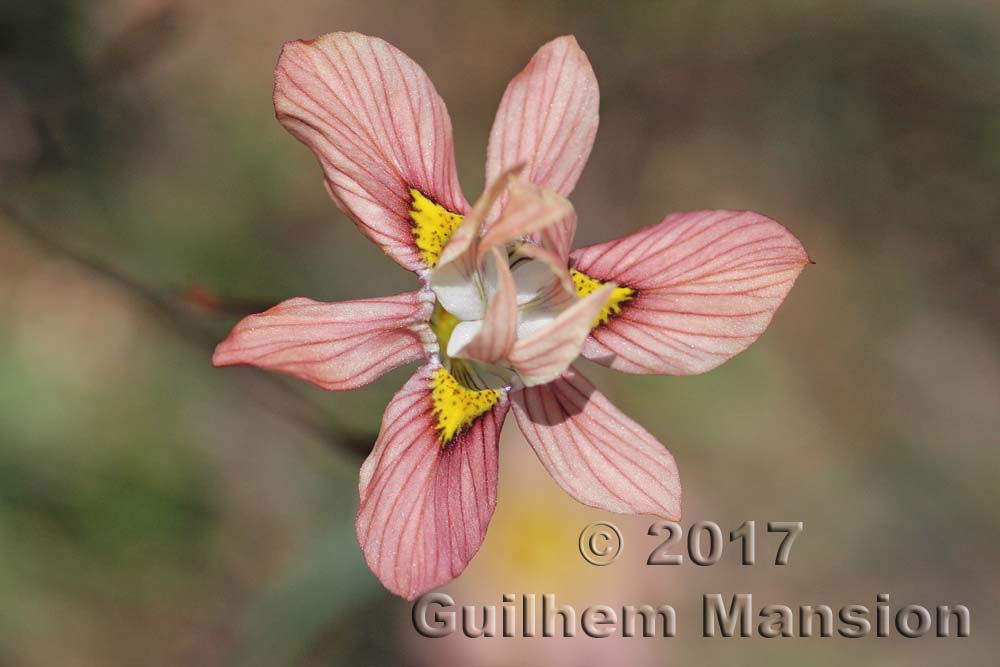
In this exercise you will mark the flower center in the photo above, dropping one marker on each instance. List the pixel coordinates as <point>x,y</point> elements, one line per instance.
<point>534,282</point>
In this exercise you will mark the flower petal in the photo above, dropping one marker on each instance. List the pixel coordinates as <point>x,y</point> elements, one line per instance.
<point>530,208</point>
<point>558,238</point>
<point>337,346</point>
<point>706,286</point>
<point>543,355</point>
<point>462,335</point>
<point>547,118</point>
<point>379,129</point>
<point>425,508</point>
<point>594,452</point>
<point>460,293</point>
<point>495,337</point>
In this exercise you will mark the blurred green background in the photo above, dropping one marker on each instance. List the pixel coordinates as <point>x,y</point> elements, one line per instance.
<point>157,511</point>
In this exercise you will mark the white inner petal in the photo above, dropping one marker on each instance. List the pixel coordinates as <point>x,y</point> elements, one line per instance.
<point>458,292</point>
<point>531,278</point>
<point>463,333</point>
<point>490,275</point>
<point>532,322</point>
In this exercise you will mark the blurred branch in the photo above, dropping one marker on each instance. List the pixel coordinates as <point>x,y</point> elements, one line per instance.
<point>271,392</point>
<point>209,301</point>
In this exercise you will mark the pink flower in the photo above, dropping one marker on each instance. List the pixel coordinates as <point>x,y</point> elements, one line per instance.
<point>504,307</point>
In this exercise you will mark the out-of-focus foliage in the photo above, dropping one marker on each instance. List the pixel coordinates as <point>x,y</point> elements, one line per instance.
<point>154,510</point>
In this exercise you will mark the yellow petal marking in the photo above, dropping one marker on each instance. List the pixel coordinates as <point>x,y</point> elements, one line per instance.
<point>433,225</point>
<point>456,406</point>
<point>585,285</point>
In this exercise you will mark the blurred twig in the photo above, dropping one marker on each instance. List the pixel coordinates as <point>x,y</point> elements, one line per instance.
<point>271,392</point>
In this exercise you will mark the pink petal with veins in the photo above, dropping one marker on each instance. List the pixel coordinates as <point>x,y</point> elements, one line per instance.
<point>530,208</point>
<point>547,118</point>
<point>336,346</point>
<point>378,127</point>
<point>425,510</point>
<point>557,238</point>
<point>543,355</point>
<point>594,452</point>
<point>708,284</point>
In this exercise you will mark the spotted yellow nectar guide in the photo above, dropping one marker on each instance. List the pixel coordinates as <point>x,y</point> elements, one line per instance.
<point>457,406</point>
<point>433,225</point>
<point>584,285</point>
